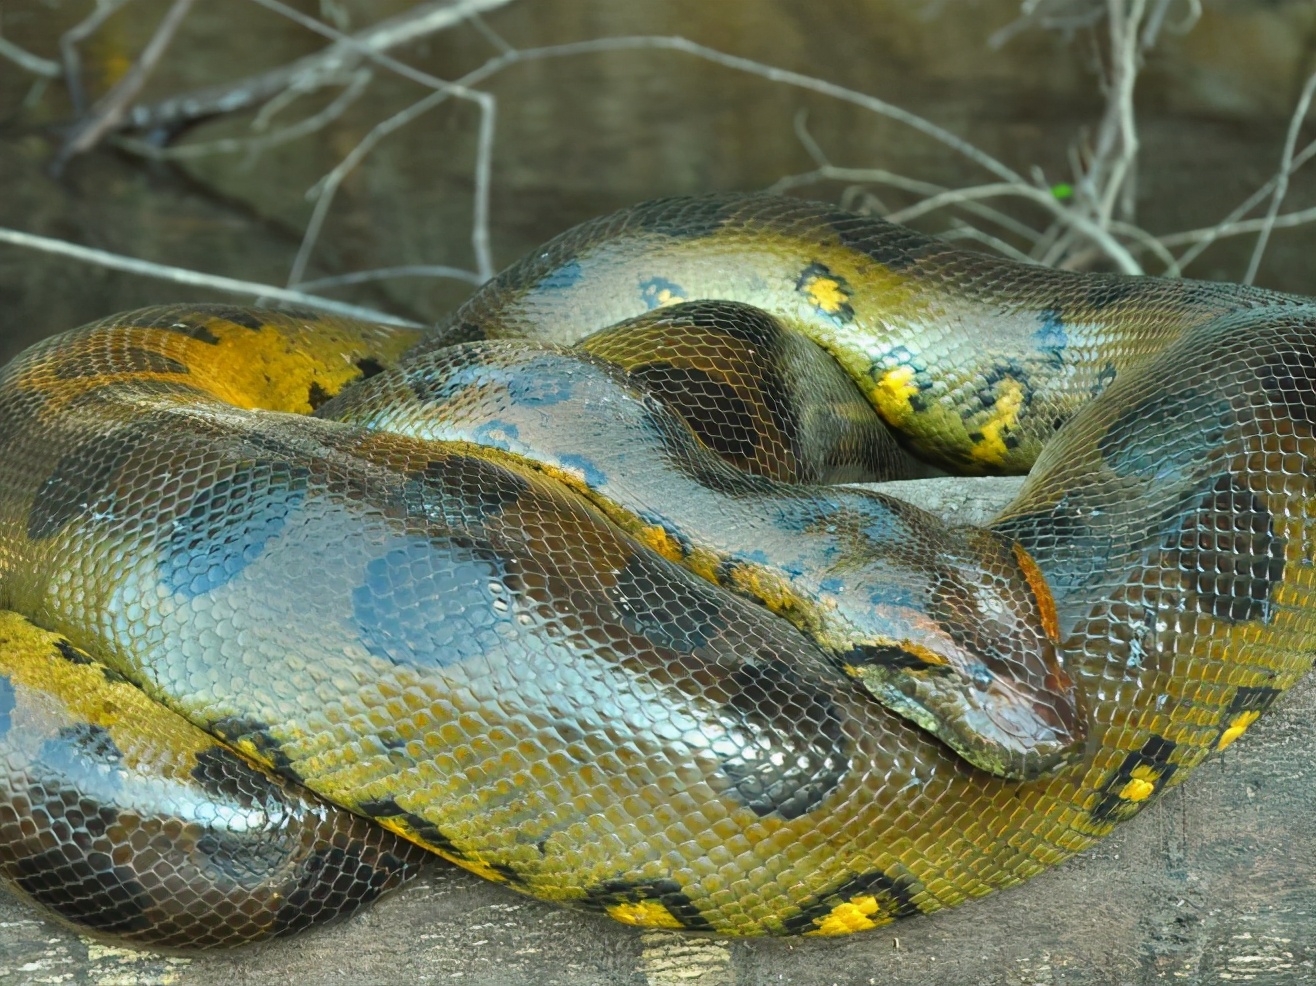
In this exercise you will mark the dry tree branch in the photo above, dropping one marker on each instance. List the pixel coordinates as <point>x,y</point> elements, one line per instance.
<point>1281,177</point>
<point>24,59</point>
<point>114,104</point>
<point>484,152</point>
<point>1089,221</point>
<point>357,83</point>
<point>68,47</point>
<point>182,275</point>
<point>308,73</point>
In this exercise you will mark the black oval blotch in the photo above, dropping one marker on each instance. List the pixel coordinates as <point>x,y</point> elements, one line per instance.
<point>1227,551</point>
<point>894,896</point>
<point>793,750</point>
<point>78,481</point>
<point>610,893</point>
<point>713,409</point>
<point>229,779</point>
<point>129,359</point>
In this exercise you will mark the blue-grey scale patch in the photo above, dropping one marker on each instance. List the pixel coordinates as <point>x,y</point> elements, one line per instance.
<point>659,291</point>
<point>1105,377</point>
<point>437,384</point>
<point>76,747</point>
<point>6,703</point>
<point>561,278</point>
<point>1289,378</point>
<point>428,604</point>
<point>229,523</point>
<point>539,389</point>
<point>594,477</point>
<point>1159,437</point>
<point>496,433</point>
<point>1064,541</point>
<point>1052,338</point>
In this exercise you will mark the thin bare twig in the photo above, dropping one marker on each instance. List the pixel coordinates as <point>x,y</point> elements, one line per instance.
<point>484,152</point>
<point>182,275</point>
<point>356,86</point>
<point>68,46</point>
<point>326,188</point>
<point>385,273</point>
<point>310,72</point>
<point>114,104</point>
<point>1281,177</point>
<point>24,59</point>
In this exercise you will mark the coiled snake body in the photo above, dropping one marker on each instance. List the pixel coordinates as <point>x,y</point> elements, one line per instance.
<point>586,619</point>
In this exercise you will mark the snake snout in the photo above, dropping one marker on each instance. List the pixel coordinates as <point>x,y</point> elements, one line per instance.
<point>978,664</point>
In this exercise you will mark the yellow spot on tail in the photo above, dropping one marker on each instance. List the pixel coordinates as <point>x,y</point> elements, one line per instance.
<point>892,393</point>
<point>856,914</point>
<point>1141,785</point>
<point>643,914</point>
<point>826,294</point>
<point>990,449</point>
<point>1237,728</point>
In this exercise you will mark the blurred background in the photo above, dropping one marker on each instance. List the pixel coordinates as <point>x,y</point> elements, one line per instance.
<point>390,155</point>
<point>213,135</point>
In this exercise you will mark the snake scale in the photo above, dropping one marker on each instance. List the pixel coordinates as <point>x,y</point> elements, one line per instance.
<point>566,591</point>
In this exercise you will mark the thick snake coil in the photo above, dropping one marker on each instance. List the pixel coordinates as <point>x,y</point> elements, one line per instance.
<point>588,620</point>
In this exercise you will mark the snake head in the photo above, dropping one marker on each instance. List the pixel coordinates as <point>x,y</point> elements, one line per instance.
<point>979,664</point>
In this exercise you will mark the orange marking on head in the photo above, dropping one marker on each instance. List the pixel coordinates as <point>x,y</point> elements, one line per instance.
<point>1046,603</point>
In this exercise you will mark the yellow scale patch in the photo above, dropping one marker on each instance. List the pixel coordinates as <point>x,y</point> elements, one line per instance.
<point>1237,728</point>
<point>274,368</point>
<point>643,914</point>
<point>860,913</point>
<point>1141,785</point>
<point>891,395</point>
<point>825,294</point>
<point>138,726</point>
<point>991,449</point>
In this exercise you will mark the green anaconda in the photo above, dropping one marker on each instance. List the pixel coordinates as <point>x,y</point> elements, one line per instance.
<point>567,591</point>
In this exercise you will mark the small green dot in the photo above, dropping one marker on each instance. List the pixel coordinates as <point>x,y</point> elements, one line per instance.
<point>1062,190</point>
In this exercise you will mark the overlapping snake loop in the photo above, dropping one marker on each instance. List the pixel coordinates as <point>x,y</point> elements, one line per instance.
<point>566,592</point>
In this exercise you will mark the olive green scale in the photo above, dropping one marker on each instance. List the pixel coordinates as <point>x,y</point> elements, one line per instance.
<point>649,695</point>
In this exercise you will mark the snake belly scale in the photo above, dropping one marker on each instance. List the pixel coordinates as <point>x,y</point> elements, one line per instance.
<point>251,597</point>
